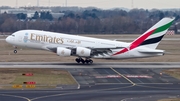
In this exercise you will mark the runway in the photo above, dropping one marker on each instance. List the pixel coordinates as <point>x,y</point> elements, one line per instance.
<point>128,82</point>
<point>94,65</point>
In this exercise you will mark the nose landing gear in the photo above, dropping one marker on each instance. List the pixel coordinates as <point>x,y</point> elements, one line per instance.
<point>15,51</point>
<point>86,61</point>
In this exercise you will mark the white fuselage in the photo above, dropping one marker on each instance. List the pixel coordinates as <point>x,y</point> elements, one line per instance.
<point>45,40</point>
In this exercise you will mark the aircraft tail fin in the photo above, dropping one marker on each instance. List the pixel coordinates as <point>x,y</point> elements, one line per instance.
<point>152,37</point>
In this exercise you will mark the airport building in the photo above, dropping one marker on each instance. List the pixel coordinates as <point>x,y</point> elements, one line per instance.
<point>30,12</point>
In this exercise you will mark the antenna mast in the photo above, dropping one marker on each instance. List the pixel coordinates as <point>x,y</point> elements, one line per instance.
<point>132,4</point>
<point>16,3</point>
<point>37,3</point>
<point>66,3</point>
<point>49,3</point>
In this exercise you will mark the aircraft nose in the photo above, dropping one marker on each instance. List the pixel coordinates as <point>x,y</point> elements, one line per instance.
<point>8,39</point>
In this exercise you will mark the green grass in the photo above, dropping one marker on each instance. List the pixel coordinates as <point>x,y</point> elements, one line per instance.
<point>41,79</point>
<point>44,78</point>
<point>169,99</point>
<point>173,72</point>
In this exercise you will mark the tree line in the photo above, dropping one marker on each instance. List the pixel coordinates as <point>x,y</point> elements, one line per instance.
<point>93,21</point>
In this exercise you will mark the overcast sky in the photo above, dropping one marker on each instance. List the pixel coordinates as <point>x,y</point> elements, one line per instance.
<point>105,4</point>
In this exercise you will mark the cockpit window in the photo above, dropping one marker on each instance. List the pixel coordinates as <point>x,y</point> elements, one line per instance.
<point>13,35</point>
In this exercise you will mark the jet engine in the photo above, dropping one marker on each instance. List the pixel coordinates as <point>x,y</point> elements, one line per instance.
<point>63,52</point>
<point>81,51</point>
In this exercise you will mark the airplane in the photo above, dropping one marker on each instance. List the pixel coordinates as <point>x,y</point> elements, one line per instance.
<point>65,45</point>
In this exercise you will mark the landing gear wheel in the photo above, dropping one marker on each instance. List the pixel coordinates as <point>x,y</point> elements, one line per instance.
<point>90,61</point>
<point>15,51</point>
<point>78,60</point>
<point>86,61</point>
<point>82,60</point>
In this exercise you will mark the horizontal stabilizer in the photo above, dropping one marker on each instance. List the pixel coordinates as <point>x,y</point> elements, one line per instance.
<point>151,51</point>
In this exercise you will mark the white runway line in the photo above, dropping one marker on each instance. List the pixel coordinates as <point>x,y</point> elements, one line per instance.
<point>95,65</point>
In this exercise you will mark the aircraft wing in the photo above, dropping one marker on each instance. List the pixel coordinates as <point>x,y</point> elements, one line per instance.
<point>94,51</point>
<point>103,51</point>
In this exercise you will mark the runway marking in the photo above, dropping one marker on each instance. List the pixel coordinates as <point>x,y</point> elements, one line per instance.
<point>114,78</point>
<point>156,87</point>
<point>136,83</point>
<point>138,76</point>
<point>154,83</point>
<point>16,96</point>
<point>152,97</point>
<point>110,83</point>
<point>129,74</point>
<point>123,76</point>
<point>95,65</point>
<point>79,92</point>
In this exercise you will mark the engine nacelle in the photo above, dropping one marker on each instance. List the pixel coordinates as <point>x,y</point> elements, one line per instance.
<point>81,51</point>
<point>63,51</point>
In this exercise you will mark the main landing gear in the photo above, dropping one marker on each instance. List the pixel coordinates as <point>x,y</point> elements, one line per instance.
<point>86,61</point>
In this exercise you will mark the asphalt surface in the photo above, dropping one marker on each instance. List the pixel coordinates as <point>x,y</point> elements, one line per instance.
<point>106,84</point>
<point>94,65</point>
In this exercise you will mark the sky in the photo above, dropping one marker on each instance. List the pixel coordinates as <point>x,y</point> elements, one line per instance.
<point>104,4</point>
